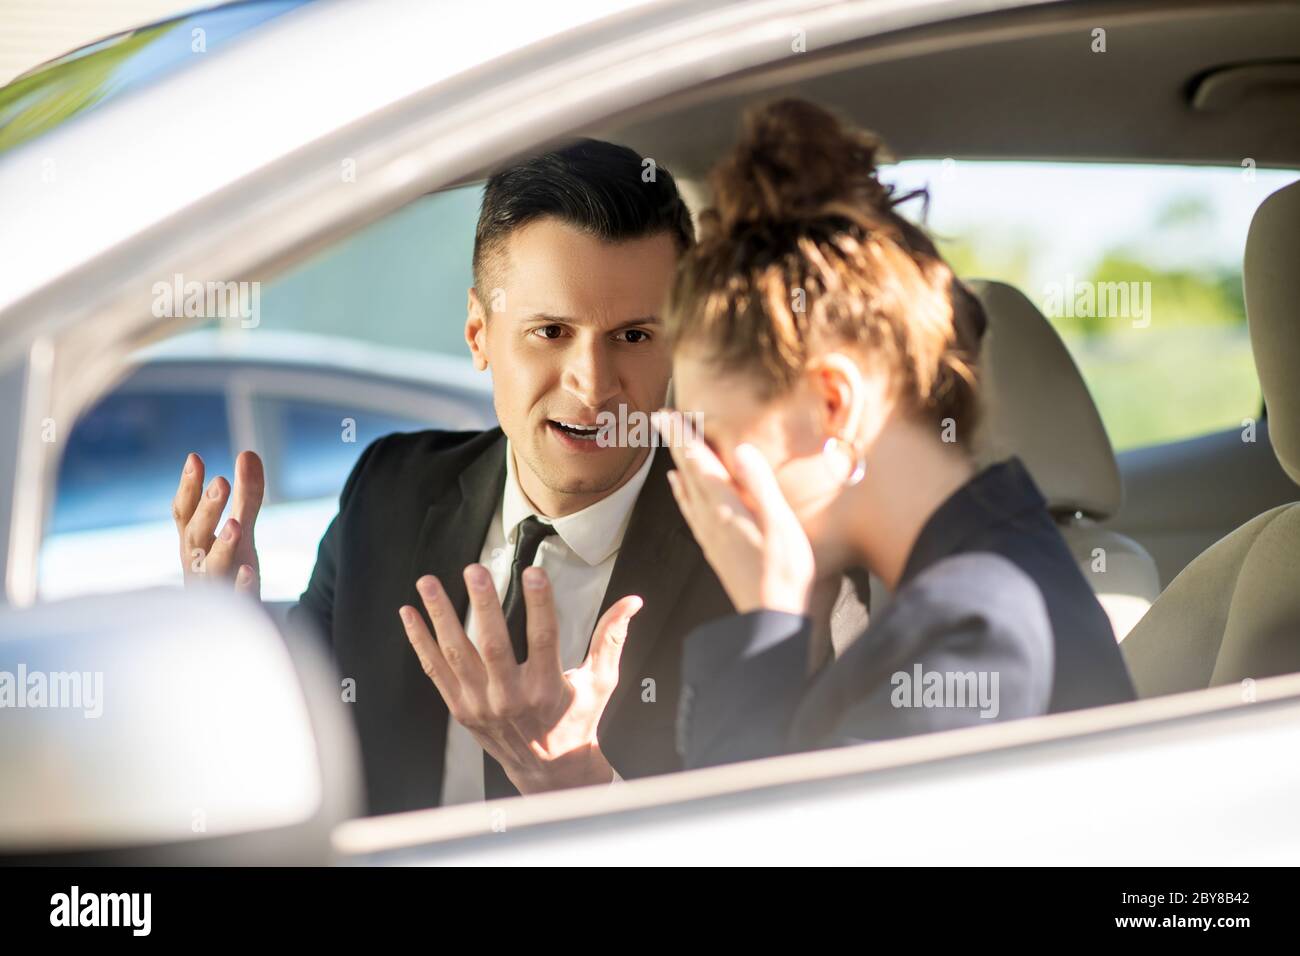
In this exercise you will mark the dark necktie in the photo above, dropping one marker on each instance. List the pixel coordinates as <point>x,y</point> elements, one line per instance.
<point>527,540</point>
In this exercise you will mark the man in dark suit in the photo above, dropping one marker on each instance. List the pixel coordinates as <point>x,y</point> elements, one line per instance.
<point>573,254</point>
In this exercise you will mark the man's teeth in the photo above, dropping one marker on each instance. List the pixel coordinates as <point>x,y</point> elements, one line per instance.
<point>586,432</point>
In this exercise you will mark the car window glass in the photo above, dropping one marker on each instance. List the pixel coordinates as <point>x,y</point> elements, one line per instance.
<point>401,282</point>
<point>1137,266</point>
<point>124,456</point>
<point>317,444</point>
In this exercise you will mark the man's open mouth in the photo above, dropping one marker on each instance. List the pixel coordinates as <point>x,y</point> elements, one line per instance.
<point>575,430</point>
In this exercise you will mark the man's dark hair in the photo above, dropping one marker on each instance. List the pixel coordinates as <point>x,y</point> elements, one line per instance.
<point>590,185</point>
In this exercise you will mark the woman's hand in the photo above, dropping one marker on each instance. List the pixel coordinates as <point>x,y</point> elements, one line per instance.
<point>761,556</point>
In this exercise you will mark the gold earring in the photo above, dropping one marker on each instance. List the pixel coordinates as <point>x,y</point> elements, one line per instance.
<point>844,446</point>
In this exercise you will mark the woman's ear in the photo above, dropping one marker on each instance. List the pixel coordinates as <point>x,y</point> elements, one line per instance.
<point>838,386</point>
<point>476,330</point>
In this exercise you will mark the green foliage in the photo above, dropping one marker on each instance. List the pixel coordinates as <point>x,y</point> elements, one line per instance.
<point>33,104</point>
<point>1162,384</point>
<point>1186,372</point>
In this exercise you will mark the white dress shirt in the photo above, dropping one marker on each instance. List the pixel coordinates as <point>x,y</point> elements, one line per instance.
<point>579,559</point>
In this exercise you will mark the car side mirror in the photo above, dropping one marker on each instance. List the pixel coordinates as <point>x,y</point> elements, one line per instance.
<point>169,727</point>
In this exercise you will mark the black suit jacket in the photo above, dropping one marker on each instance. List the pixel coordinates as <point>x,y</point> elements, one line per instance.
<point>990,593</point>
<point>421,503</point>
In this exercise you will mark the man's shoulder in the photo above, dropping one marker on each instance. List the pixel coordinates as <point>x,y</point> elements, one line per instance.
<point>422,459</point>
<point>433,445</point>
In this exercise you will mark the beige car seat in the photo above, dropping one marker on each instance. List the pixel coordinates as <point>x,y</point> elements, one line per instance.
<point>1036,406</point>
<point>1234,612</point>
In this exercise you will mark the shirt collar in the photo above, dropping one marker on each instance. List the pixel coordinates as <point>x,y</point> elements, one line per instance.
<point>595,532</point>
<point>997,494</point>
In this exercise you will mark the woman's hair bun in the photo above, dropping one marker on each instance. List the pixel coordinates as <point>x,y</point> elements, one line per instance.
<point>803,250</point>
<point>793,160</point>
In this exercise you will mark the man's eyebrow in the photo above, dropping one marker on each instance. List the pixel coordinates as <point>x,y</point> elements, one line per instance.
<point>570,320</point>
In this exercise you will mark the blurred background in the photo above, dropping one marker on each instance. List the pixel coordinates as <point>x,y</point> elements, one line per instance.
<point>1042,226</point>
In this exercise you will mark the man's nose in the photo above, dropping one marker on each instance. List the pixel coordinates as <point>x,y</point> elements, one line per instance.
<point>590,376</point>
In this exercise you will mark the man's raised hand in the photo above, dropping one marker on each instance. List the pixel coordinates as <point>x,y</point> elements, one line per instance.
<point>536,719</point>
<point>232,554</point>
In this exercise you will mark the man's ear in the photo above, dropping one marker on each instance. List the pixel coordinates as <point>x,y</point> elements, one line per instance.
<point>476,330</point>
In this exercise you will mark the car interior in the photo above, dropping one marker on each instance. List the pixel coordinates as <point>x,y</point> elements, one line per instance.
<point>1200,84</point>
<point>1037,406</point>
<point>1231,614</point>
<point>1192,546</point>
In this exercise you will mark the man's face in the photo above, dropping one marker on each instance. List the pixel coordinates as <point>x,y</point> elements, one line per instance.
<point>571,329</point>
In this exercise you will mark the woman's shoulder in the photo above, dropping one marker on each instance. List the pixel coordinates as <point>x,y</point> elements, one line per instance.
<point>973,625</point>
<point>976,609</point>
<point>980,599</point>
<point>984,582</point>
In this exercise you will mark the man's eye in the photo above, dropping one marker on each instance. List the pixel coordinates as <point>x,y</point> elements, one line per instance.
<point>548,332</point>
<point>636,336</point>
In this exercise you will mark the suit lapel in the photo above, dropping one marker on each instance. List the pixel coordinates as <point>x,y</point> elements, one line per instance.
<point>455,525</point>
<point>657,557</point>
<point>451,536</point>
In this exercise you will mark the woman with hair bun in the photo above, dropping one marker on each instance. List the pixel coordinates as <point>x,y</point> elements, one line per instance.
<point>830,355</point>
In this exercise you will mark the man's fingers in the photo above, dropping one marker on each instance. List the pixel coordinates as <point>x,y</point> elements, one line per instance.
<point>246,580</point>
<point>250,486</point>
<point>221,556</point>
<point>188,492</point>
<point>494,645</point>
<point>430,655</point>
<point>456,648</point>
<point>202,528</point>
<point>607,644</point>
<point>541,625</point>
